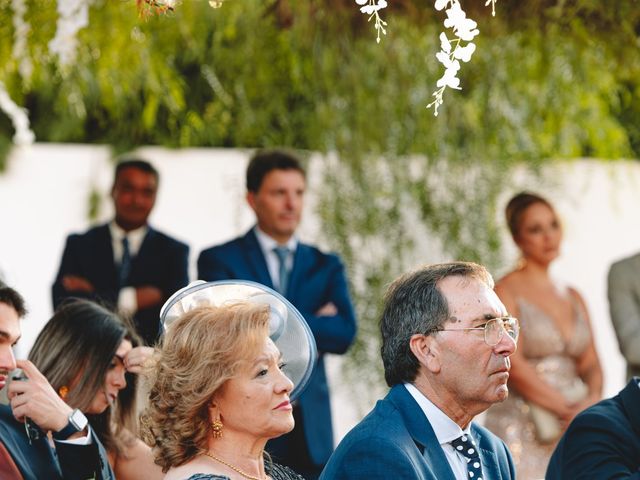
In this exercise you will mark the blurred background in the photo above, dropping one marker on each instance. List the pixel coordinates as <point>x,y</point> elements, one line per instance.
<point>550,102</point>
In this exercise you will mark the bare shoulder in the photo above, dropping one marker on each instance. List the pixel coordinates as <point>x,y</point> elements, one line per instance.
<point>509,285</point>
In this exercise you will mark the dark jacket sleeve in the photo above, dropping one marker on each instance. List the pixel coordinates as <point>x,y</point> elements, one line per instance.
<point>210,269</point>
<point>82,462</point>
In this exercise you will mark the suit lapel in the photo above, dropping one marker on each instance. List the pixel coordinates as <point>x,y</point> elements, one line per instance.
<point>488,457</point>
<point>255,259</point>
<point>300,260</point>
<point>421,431</point>
<point>104,256</point>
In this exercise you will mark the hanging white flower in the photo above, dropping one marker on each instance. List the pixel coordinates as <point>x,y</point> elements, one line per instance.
<point>21,33</point>
<point>372,8</point>
<point>73,15</point>
<point>19,118</point>
<point>453,49</point>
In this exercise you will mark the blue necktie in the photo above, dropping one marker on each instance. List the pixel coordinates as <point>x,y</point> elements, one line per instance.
<point>283,273</point>
<point>466,446</point>
<point>125,262</point>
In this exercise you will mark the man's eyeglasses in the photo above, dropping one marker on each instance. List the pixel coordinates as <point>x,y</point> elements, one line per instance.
<point>493,330</point>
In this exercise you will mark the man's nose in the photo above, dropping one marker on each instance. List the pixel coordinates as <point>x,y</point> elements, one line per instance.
<point>7,358</point>
<point>506,346</point>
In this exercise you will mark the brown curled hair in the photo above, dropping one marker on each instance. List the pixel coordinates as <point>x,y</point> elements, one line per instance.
<point>518,205</point>
<point>201,351</point>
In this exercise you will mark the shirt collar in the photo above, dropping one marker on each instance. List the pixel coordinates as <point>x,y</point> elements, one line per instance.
<point>267,243</point>
<point>135,236</point>
<point>445,429</point>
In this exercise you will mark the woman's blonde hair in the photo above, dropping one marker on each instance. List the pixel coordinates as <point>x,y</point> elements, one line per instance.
<point>203,349</point>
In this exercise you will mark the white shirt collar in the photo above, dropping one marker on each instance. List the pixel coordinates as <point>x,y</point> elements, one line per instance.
<point>267,243</point>
<point>445,429</point>
<point>135,237</point>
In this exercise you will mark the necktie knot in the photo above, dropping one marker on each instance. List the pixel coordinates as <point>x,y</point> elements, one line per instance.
<point>282,252</point>
<point>466,446</point>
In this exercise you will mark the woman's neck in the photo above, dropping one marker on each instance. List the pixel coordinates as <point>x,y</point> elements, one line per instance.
<point>537,272</point>
<point>246,454</point>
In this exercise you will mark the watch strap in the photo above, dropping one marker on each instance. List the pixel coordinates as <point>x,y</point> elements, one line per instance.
<point>72,426</point>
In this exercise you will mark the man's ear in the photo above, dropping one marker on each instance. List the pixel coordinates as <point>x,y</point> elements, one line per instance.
<point>251,200</point>
<point>427,351</point>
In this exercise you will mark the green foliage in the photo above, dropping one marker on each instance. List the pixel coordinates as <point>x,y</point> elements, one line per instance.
<point>551,79</point>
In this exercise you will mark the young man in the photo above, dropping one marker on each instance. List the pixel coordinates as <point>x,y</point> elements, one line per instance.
<point>313,281</point>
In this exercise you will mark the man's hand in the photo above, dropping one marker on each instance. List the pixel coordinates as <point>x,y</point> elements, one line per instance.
<point>35,398</point>
<point>148,296</point>
<point>138,359</point>
<point>75,283</point>
<point>327,310</point>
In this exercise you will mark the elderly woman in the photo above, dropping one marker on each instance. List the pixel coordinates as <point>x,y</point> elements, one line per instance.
<point>218,395</point>
<point>78,363</point>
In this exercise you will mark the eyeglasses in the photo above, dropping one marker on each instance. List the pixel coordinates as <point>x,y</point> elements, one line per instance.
<point>493,330</point>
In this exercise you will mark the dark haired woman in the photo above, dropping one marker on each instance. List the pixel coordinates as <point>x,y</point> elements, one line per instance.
<point>82,352</point>
<point>555,372</point>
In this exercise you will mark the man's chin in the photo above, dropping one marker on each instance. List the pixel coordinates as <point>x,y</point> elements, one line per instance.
<point>502,393</point>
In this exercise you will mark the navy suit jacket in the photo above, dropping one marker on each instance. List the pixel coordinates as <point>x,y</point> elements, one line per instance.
<point>161,262</point>
<point>602,442</point>
<point>37,461</point>
<point>395,440</point>
<point>316,278</point>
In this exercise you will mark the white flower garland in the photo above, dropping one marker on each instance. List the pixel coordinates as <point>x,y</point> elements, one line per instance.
<point>452,50</point>
<point>73,15</point>
<point>21,28</point>
<point>19,118</point>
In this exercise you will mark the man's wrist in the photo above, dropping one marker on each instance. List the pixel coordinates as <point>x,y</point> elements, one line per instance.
<point>75,426</point>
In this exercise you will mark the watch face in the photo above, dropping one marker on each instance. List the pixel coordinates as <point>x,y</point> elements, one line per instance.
<point>78,420</point>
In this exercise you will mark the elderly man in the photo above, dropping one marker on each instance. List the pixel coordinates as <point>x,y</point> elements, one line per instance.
<point>446,342</point>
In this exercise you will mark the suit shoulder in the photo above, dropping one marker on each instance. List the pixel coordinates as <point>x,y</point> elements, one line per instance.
<point>632,262</point>
<point>313,251</point>
<point>88,236</point>
<point>222,248</point>
<point>170,241</point>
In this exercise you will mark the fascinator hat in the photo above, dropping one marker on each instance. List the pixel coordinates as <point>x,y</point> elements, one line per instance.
<point>287,327</point>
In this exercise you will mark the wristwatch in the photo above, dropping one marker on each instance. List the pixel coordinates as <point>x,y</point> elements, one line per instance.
<point>77,423</point>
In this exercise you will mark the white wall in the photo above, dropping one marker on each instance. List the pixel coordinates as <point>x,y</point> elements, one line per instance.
<point>44,196</point>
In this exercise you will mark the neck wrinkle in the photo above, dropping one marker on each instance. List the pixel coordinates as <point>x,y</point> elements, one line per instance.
<point>447,403</point>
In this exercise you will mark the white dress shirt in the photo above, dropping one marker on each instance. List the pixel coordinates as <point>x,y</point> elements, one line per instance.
<point>267,244</point>
<point>127,302</point>
<point>445,429</point>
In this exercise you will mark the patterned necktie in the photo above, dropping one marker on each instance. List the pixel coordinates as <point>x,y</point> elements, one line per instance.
<point>466,446</point>
<point>283,273</point>
<point>125,262</point>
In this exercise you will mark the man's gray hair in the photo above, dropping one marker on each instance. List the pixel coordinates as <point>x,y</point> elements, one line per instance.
<point>414,304</point>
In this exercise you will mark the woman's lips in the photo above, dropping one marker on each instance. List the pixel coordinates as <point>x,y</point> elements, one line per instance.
<point>286,405</point>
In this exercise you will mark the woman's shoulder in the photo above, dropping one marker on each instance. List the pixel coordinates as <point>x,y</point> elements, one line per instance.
<point>280,472</point>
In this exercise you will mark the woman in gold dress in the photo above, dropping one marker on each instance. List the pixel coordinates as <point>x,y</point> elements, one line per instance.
<point>555,372</point>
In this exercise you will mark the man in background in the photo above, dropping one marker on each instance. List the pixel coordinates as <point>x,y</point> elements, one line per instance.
<point>126,263</point>
<point>624,306</point>
<point>313,281</point>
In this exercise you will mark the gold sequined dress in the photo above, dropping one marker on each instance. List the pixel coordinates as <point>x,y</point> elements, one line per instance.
<point>554,359</point>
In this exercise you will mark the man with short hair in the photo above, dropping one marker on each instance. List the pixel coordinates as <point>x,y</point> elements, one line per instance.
<point>25,451</point>
<point>126,263</point>
<point>313,281</point>
<point>446,342</point>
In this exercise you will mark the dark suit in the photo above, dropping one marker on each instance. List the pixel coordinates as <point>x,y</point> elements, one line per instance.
<point>316,279</point>
<point>602,442</point>
<point>37,461</point>
<point>395,440</point>
<point>161,262</point>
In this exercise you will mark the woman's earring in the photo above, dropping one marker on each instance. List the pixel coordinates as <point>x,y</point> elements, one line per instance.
<point>216,427</point>
<point>63,391</point>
